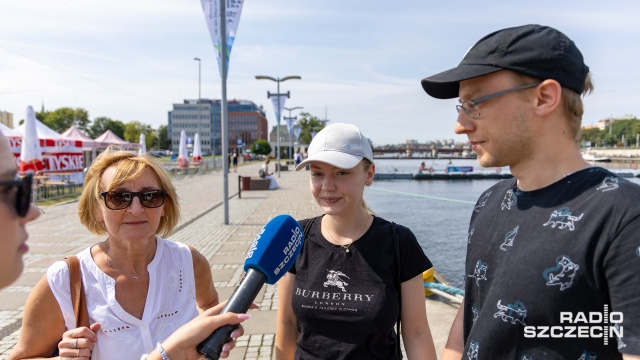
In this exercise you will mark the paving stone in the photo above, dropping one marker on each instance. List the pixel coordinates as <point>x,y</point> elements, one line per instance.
<point>29,278</point>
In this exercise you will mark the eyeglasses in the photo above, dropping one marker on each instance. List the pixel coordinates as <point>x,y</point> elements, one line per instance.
<point>118,200</point>
<point>23,195</point>
<point>471,106</point>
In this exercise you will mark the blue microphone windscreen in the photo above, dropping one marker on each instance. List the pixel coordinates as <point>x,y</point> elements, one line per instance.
<point>276,248</point>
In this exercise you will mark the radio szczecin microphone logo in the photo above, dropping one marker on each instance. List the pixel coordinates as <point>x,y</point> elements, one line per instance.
<point>269,257</point>
<point>582,325</point>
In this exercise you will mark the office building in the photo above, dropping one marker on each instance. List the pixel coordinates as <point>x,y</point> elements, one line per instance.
<point>6,118</point>
<point>246,123</point>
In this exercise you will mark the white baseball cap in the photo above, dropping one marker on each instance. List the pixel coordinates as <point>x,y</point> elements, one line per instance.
<point>340,145</point>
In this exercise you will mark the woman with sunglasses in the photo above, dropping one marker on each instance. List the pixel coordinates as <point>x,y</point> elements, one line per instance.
<point>15,212</point>
<point>139,287</point>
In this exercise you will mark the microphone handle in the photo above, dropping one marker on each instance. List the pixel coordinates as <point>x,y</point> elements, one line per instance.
<point>239,302</point>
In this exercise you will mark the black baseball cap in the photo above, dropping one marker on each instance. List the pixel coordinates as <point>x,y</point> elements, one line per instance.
<point>535,50</point>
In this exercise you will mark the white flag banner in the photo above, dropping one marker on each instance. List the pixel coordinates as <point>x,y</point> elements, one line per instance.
<point>296,132</point>
<point>289,121</point>
<point>278,105</point>
<point>211,9</point>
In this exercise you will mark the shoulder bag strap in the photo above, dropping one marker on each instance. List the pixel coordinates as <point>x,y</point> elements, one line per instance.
<point>396,252</point>
<point>307,227</point>
<point>77,292</point>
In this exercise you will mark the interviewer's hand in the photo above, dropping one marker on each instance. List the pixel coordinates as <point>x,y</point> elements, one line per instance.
<point>78,342</point>
<point>181,345</point>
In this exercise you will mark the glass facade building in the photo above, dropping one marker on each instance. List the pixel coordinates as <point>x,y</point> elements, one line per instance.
<point>246,123</point>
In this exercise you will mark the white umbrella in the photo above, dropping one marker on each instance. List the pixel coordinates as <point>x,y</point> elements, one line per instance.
<point>143,145</point>
<point>31,153</point>
<point>183,159</point>
<point>197,149</point>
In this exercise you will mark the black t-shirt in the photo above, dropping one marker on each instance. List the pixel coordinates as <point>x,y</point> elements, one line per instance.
<point>346,303</point>
<point>572,247</point>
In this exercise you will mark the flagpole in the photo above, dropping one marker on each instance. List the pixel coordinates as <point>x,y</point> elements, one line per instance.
<point>223,108</point>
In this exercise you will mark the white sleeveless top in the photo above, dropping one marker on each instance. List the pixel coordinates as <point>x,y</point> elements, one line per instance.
<point>170,302</point>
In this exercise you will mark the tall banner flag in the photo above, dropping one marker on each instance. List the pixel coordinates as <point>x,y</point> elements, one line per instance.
<point>278,105</point>
<point>289,121</point>
<point>211,9</point>
<point>296,132</point>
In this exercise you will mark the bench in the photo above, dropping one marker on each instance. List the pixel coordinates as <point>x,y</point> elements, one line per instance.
<point>246,183</point>
<point>259,184</point>
<point>282,167</point>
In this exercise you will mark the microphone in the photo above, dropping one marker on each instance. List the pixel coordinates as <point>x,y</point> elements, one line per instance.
<point>270,256</point>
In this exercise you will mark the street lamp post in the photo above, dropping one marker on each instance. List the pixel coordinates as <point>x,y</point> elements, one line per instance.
<point>278,94</point>
<point>290,118</point>
<point>199,92</point>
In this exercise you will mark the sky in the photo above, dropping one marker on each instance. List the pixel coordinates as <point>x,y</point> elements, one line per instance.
<point>361,61</point>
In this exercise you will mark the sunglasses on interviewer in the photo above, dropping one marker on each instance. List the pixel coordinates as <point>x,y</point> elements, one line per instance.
<point>22,195</point>
<point>118,200</point>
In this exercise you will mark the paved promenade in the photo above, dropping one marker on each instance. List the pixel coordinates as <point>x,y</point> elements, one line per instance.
<point>58,232</point>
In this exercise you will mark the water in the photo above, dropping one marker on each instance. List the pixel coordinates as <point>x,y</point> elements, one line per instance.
<point>437,211</point>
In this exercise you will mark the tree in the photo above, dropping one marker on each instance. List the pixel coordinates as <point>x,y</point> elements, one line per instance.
<point>102,124</point>
<point>261,147</point>
<point>593,135</point>
<point>612,134</point>
<point>308,124</point>
<point>133,129</point>
<point>163,137</point>
<point>63,118</point>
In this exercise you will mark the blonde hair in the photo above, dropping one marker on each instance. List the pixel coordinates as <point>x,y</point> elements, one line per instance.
<point>128,166</point>
<point>366,163</point>
<point>571,103</point>
<point>574,107</point>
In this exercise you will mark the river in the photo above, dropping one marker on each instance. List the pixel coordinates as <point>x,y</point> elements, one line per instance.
<point>437,211</point>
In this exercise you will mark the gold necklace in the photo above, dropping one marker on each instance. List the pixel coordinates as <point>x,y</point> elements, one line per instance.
<point>110,263</point>
<point>346,247</point>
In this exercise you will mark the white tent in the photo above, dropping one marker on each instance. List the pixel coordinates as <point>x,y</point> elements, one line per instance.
<point>88,144</point>
<point>109,138</point>
<point>143,144</point>
<point>59,154</point>
<point>7,131</point>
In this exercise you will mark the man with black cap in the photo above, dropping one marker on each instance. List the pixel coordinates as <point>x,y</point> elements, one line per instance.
<point>553,256</point>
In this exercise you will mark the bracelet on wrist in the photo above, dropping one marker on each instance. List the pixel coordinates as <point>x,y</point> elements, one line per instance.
<point>162,352</point>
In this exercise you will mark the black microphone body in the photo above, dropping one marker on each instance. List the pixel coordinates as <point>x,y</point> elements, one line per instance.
<point>269,257</point>
<point>239,302</point>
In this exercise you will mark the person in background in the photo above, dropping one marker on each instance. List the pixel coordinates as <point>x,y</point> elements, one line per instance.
<point>340,300</point>
<point>140,288</point>
<point>15,212</point>
<point>264,173</point>
<point>422,167</point>
<point>558,240</point>
<point>234,160</point>
<point>297,158</point>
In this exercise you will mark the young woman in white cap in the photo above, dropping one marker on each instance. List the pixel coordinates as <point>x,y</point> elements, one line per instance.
<point>346,291</point>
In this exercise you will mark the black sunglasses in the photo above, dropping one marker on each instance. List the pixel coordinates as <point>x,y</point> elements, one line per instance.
<point>23,195</point>
<point>118,200</point>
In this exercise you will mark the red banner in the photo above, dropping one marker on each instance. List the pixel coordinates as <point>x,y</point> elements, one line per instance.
<point>59,155</point>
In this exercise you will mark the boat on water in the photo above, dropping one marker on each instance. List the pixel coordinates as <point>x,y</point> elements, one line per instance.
<point>595,158</point>
<point>449,172</point>
<point>463,169</point>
